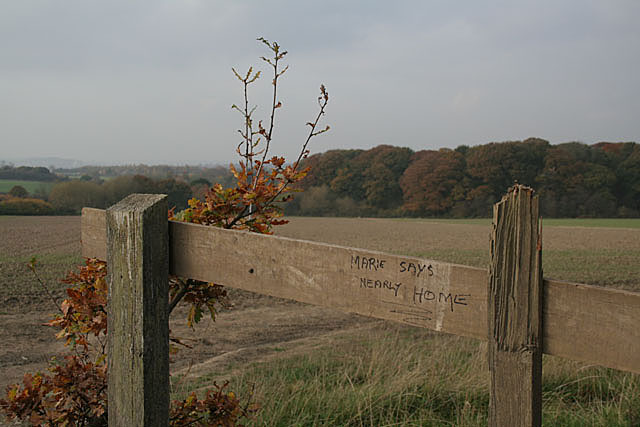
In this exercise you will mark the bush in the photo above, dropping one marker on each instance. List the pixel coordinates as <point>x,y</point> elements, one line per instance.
<point>25,206</point>
<point>18,191</point>
<point>70,197</point>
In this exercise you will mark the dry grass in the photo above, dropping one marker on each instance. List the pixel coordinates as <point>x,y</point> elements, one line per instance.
<point>396,375</point>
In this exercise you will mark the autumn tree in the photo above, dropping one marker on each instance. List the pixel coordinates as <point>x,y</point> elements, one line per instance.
<point>372,176</point>
<point>499,165</point>
<point>571,184</point>
<point>433,182</point>
<point>622,159</point>
<point>386,164</point>
<point>325,166</point>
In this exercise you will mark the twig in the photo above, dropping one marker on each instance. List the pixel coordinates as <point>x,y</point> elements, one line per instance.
<point>184,288</point>
<point>322,101</point>
<point>274,103</point>
<point>246,407</point>
<point>179,382</point>
<point>32,267</point>
<point>194,421</point>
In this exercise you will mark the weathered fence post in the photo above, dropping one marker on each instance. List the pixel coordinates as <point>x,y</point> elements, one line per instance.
<point>138,348</point>
<point>515,311</point>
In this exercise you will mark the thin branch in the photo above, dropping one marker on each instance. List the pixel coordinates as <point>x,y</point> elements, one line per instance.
<point>197,420</point>
<point>179,382</point>
<point>247,121</point>
<point>274,106</point>
<point>103,344</point>
<point>238,217</point>
<point>32,266</point>
<point>322,101</point>
<point>184,288</point>
<point>246,407</point>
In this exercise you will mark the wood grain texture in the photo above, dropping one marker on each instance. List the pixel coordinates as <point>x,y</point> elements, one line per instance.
<point>426,293</point>
<point>592,324</point>
<point>581,322</point>
<point>515,311</point>
<point>138,339</point>
<point>93,226</point>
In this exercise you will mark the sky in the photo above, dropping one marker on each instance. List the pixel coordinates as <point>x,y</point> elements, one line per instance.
<point>150,81</point>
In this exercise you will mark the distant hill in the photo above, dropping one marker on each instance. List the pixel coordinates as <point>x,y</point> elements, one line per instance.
<point>186,173</point>
<point>47,162</point>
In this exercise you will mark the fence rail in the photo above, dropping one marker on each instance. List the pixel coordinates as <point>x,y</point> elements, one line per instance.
<point>580,322</point>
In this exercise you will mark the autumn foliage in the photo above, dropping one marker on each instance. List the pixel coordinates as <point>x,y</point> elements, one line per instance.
<point>572,179</point>
<point>74,392</point>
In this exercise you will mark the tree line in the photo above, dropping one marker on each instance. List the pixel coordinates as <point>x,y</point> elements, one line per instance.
<point>573,180</point>
<point>102,186</point>
<point>27,173</point>
<point>70,196</point>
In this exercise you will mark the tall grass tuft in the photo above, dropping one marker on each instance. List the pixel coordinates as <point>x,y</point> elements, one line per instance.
<point>390,376</point>
<point>394,375</point>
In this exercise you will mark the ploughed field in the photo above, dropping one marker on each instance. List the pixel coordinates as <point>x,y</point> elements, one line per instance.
<point>259,329</point>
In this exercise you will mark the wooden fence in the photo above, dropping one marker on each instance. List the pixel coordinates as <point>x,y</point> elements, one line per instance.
<point>511,306</point>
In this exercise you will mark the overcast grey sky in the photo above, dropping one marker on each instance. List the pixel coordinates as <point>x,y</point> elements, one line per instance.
<point>150,81</point>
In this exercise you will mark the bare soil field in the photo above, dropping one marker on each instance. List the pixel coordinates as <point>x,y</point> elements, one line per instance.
<point>259,327</point>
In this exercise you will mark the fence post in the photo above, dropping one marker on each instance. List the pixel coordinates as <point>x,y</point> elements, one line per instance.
<point>515,311</point>
<point>138,339</point>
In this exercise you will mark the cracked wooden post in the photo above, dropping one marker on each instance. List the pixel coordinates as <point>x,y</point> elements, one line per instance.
<point>515,311</point>
<point>138,346</point>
